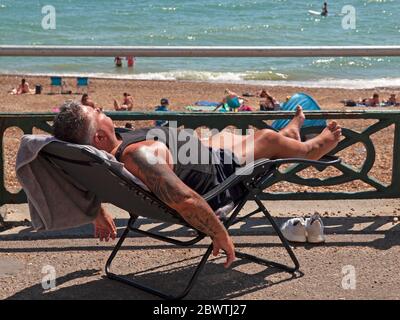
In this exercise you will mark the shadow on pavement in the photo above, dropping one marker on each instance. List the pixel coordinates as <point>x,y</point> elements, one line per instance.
<point>385,233</point>
<point>214,283</point>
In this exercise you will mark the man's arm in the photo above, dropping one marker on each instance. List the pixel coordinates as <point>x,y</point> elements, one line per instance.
<point>166,185</point>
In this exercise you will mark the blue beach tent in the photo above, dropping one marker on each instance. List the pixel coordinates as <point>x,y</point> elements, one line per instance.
<point>308,103</point>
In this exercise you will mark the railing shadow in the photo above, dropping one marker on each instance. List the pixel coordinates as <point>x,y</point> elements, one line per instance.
<point>355,225</point>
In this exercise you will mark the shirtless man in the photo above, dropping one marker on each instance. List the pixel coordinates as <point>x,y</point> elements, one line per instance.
<point>85,125</point>
<point>127,104</point>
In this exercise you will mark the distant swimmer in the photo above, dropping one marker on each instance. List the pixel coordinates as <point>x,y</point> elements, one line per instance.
<point>118,62</point>
<point>131,61</point>
<point>324,12</point>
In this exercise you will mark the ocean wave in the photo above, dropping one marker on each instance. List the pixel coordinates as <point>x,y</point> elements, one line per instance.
<point>267,78</point>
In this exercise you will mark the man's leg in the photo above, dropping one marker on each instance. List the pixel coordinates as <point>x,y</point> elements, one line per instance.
<point>272,145</point>
<point>227,140</point>
<point>292,130</point>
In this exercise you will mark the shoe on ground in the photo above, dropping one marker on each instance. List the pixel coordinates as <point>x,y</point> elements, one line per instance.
<point>315,229</point>
<point>294,230</point>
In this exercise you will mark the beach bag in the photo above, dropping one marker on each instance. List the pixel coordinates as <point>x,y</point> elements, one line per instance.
<point>38,89</point>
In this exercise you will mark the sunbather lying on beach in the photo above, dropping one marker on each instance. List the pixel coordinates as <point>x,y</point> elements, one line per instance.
<point>180,185</point>
<point>127,103</point>
<point>232,99</point>
<point>23,88</point>
<point>367,102</point>
<point>392,101</point>
<point>371,102</point>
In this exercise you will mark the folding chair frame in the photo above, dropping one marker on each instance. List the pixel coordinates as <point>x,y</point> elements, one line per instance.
<point>253,184</point>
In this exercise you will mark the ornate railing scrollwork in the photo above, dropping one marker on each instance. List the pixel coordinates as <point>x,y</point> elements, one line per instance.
<point>28,121</point>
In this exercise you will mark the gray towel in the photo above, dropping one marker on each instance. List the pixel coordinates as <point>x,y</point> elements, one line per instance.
<point>55,202</point>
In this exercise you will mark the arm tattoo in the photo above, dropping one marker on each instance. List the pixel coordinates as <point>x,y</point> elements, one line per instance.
<point>166,185</point>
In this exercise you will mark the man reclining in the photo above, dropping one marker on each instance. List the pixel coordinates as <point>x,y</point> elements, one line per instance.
<point>180,185</point>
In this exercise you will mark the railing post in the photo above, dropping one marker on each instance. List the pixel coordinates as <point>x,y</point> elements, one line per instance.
<point>396,159</point>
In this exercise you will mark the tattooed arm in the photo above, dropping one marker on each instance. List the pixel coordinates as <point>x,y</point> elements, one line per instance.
<point>152,165</point>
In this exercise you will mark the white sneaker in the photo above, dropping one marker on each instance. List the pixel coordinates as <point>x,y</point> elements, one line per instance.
<point>315,229</point>
<point>294,230</point>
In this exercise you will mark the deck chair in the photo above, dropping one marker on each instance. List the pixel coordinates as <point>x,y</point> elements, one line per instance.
<point>82,82</point>
<point>121,189</point>
<point>56,82</point>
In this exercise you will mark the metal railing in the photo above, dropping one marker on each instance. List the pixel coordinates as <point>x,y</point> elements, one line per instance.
<point>28,121</point>
<point>375,188</point>
<point>199,51</point>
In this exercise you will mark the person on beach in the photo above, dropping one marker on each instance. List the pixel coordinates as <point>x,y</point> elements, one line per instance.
<point>131,61</point>
<point>267,101</point>
<point>86,101</point>
<point>180,185</point>
<point>163,107</point>
<point>372,102</point>
<point>118,62</point>
<point>392,101</point>
<point>324,12</point>
<point>127,103</point>
<point>232,99</point>
<point>23,88</point>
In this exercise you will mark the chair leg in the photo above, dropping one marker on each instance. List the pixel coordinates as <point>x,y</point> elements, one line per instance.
<point>283,240</point>
<point>145,288</point>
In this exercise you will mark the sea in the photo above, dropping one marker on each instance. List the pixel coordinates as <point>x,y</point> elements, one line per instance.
<point>208,23</point>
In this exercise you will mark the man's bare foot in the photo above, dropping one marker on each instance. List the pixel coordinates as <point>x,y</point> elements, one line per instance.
<point>292,130</point>
<point>324,142</point>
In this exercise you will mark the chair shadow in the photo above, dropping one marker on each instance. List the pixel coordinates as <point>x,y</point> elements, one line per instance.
<point>226,284</point>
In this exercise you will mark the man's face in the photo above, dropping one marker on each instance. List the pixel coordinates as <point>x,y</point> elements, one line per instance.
<point>103,123</point>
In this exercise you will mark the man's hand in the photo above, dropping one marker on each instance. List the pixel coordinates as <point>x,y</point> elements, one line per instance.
<point>104,226</point>
<point>225,243</point>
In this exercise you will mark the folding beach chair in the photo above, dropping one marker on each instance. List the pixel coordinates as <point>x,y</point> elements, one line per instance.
<point>111,184</point>
<point>56,82</point>
<point>82,82</point>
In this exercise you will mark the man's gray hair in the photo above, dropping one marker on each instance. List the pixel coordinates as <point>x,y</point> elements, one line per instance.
<point>71,124</point>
